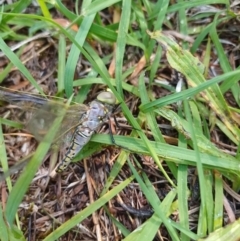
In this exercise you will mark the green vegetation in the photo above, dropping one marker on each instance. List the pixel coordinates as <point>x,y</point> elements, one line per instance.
<point>182,153</point>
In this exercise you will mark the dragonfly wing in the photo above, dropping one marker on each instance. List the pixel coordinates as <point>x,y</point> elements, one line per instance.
<point>13,169</point>
<point>43,118</point>
<point>22,99</point>
<point>44,112</point>
<point>71,120</point>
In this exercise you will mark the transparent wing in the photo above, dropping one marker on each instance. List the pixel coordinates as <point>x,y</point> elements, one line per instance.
<point>22,99</point>
<point>42,119</point>
<point>18,166</point>
<point>43,113</point>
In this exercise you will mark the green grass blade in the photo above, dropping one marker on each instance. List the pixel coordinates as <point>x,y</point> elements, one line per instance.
<point>75,52</point>
<point>121,42</point>
<point>187,93</point>
<point>3,157</point>
<point>26,177</point>
<point>191,118</point>
<point>159,211</point>
<point>44,9</point>
<point>223,59</point>
<point>192,69</point>
<point>122,158</point>
<point>219,198</point>
<point>178,155</point>
<point>78,218</point>
<point>17,8</point>
<point>182,188</point>
<point>152,123</point>
<point>17,62</point>
<point>195,3</point>
<point>230,233</point>
<point>183,194</point>
<point>149,228</point>
<point>97,6</point>
<point>61,63</point>
<point>3,225</point>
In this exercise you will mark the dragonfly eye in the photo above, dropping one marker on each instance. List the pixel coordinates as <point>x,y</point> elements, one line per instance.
<point>107,97</point>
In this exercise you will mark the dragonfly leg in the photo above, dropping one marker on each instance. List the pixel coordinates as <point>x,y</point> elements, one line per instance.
<point>120,126</point>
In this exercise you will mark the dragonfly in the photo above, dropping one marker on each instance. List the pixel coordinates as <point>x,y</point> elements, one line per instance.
<point>86,119</point>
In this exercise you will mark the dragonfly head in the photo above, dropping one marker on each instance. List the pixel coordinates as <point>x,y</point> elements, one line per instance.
<point>107,97</point>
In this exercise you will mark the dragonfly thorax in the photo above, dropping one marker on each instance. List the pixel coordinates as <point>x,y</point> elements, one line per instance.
<point>97,114</point>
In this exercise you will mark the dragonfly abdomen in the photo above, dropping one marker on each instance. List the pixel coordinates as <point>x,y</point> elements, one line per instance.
<point>81,137</point>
